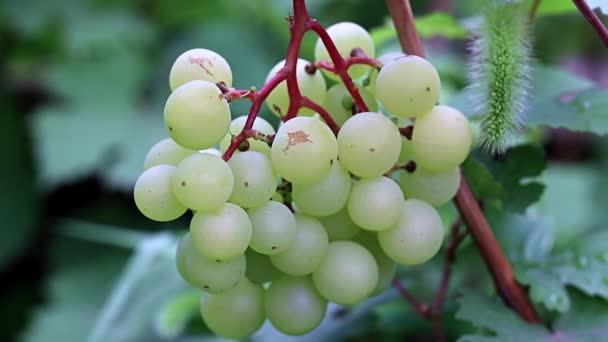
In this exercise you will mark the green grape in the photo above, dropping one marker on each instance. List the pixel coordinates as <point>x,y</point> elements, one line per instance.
<point>293,305</point>
<point>236,313</point>
<point>375,203</point>
<point>390,57</point>
<point>166,152</point>
<point>196,115</point>
<point>347,275</point>
<point>307,251</point>
<point>387,268</point>
<point>259,125</point>
<point>406,153</point>
<point>369,144</point>
<point>153,195</point>
<point>223,234</point>
<point>274,228</point>
<point>199,64</point>
<point>209,275</point>
<point>259,268</point>
<point>325,197</point>
<point>339,104</point>
<point>416,237</point>
<point>435,189</point>
<point>408,87</point>
<point>303,150</point>
<point>312,86</point>
<point>442,139</point>
<point>211,150</point>
<point>347,36</point>
<point>203,182</point>
<point>340,226</point>
<point>254,179</point>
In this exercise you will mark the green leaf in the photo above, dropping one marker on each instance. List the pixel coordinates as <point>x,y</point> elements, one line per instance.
<point>178,311</point>
<point>554,7</point>
<point>482,182</point>
<point>587,319</point>
<point>546,288</point>
<point>440,24</point>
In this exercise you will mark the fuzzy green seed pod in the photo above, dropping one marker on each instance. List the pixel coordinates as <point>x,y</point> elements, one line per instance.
<point>500,73</point>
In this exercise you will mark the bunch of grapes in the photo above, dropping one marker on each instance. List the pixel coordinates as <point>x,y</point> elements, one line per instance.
<point>302,216</point>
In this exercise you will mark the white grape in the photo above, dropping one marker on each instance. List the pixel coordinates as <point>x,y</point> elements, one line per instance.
<point>387,268</point>
<point>340,226</point>
<point>442,139</point>
<point>339,103</point>
<point>375,203</point>
<point>211,150</point>
<point>196,115</point>
<point>260,125</point>
<point>390,57</point>
<point>435,189</point>
<point>199,64</point>
<point>166,152</point>
<point>325,197</point>
<point>408,87</point>
<point>153,195</point>
<point>274,228</point>
<point>369,144</point>
<point>254,179</point>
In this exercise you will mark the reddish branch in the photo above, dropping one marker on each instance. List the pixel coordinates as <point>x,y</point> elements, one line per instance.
<point>299,24</point>
<point>593,20</point>
<point>498,265</point>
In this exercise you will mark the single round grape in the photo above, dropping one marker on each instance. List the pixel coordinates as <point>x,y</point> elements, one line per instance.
<point>369,144</point>
<point>260,125</point>
<point>387,268</point>
<point>254,179</point>
<point>293,305</point>
<point>340,105</point>
<point>347,36</point>
<point>416,237</point>
<point>325,197</point>
<point>209,275</point>
<point>153,195</point>
<point>442,139</point>
<point>408,87</point>
<point>375,203</point>
<point>274,228</point>
<point>199,64</point>
<point>312,86</point>
<point>236,313</point>
<point>196,115</point>
<point>347,275</point>
<point>203,182</point>
<point>259,268</point>
<point>340,226</point>
<point>435,189</point>
<point>303,150</point>
<point>390,57</point>
<point>308,250</point>
<point>166,152</point>
<point>223,234</point>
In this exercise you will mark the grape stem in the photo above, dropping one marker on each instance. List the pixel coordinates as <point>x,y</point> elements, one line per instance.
<point>593,20</point>
<point>512,293</point>
<point>299,24</point>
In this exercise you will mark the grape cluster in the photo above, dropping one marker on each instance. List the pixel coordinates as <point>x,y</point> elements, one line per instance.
<point>290,223</point>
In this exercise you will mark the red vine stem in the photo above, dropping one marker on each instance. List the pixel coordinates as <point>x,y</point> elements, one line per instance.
<point>593,20</point>
<point>498,265</point>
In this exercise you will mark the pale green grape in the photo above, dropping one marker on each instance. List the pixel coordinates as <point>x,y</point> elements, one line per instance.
<point>209,275</point>
<point>347,36</point>
<point>408,87</point>
<point>435,189</point>
<point>340,226</point>
<point>307,251</point>
<point>259,268</point>
<point>211,150</point>
<point>196,115</point>
<point>406,153</point>
<point>166,152</point>
<point>236,313</point>
<point>312,86</point>
<point>223,234</point>
<point>274,228</point>
<point>203,182</point>
<point>339,104</point>
<point>303,150</point>
<point>369,144</point>
<point>199,64</point>
<point>442,139</point>
<point>293,305</point>
<point>387,268</point>
<point>375,203</point>
<point>390,57</point>
<point>416,237</point>
<point>259,125</point>
<point>347,275</point>
<point>325,197</point>
<point>153,195</point>
<point>254,179</point>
